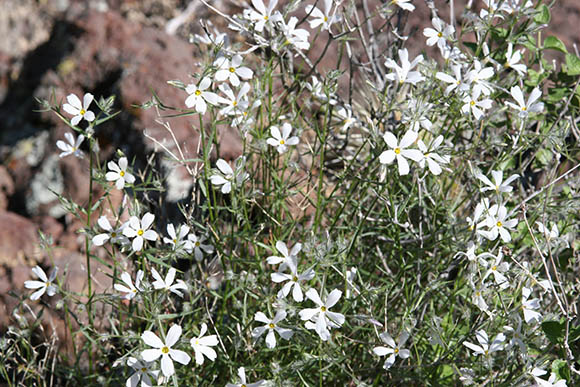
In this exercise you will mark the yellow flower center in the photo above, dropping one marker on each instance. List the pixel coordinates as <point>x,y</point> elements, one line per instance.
<point>472,103</point>
<point>397,150</point>
<point>325,19</point>
<point>165,350</point>
<point>494,268</point>
<point>197,244</point>
<point>122,173</point>
<point>113,234</point>
<point>271,326</point>
<point>235,103</point>
<point>266,17</point>
<point>440,34</point>
<point>486,352</point>
<point>245,114</point>
<point>458,83</point>
<point>282,142</point>
<point>524,109</point>
<point>143,369</point>
<point>196,342</point>
<point>471,228</point>
<point>174,240</point>
<point>243,385</point>
<point>134,290</point>
<point>477,294</point>
<point>499,223</point>
<point>232,70</point>
<point>82,112</point>
<point>323,308</point>
<point>140,232</point>
<point>198,92</point>
<point>295,279</point>
<point>396,350</point>
<point>506,65</point>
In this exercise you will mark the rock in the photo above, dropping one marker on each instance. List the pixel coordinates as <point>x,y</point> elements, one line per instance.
<point>19,241</point>
<point>6,188</point>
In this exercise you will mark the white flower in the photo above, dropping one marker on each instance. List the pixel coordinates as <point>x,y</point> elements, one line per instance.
<point>130,290</point>
<point>398,151</point>
<point>234,105</point>
<point>119,173</point>
<point>497,268</point>
<point>498,224</point>
<point>551,382</point>
<point>318,92</point>
<point>516,336</point>
<point>139,230</point>
<point>326,18</point>
<point>485,348</point>
<point>473,105</point>
<point>264,15</point>
<point>115,235</point>
<point>525,108</point>
<point>403,73</point>
<point>73,146</point>
<point>243,381</point>
<point>232,70</point>
<point>298,37</point>
<point>167,283</point>
<point>282,140</point>
<point>271,326</point>
<point>198,96</point>
<point>164,350</point>
<point>393,349</point>
<point>439,34</point>
<point>404,4</point>
<point>321,318</point>
<point>477,296</point>
<point>529,307</point>
<point>498,184</point>
<point>345,118</point>
<point>512,60</point>
<point>478,76</point>
<point>196,245</point>
<point>177,239</point>
<point>350,286</point>
<point>294,279</point>
<point>225,178</point>
<point>454,83</point>
<point>430,157</point>
<point>287,258</point>
<point>79,110</point>
<point>202,345</point>
<point>143,373</point>
<point>44,285</point>
<point>480,208</point>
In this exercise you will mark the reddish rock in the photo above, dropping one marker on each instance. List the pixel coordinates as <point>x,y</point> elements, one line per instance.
<point>6,188</point>
<point>19,241</point>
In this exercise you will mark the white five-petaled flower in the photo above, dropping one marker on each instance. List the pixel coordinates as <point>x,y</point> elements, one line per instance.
<point>478,77</point>
<point>439,34</point>
<point>474,105</point>
<point>79,110</point>
<point>196,245</point>
<point>321,318</point>
<point>393,349</point>
<point>480,208</point>
<point>298,37</point>
<point>114,235</point>
<point>271,326</point>
<point>130,290</point>
<point>198,96</point>
<point>167,283</point>
<point>454,83</point>
<point>177,239</point>
<point>294,279</point>
<point>264,16</point>
<point>225,178</point>
<point>512,60</point>
<point>498,224</point>
<point>498,184</point>
<point>431,158</point>
<point>400,152</point>
<point>497,268</point>
<point>404,4</point>
<point>282,140</point>
<point>119,173</point>
<point>320,18</point>
<point>485,348</point>
<point>234,105</point>
<point>139,230</point>
<point>287,258</point>
<point>552,235</point>
<point>529,307</point>
<point>46,284</point>
<point>243,380</point>
<point>143,373</point>
<point>551,382</point>
<point>164,350</point>
<point>524,107</point>
<point>202,345</point>
<point>73,146</point>
<point>232,70</point>
<point>403,73</point>
<point>345,118</point>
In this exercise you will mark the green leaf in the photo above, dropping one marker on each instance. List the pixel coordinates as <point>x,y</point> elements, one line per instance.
<point>560,368</point>
<point>572,64</point>
<point>543,15</point>
<point>553,43</point>
<point>544,156</point>
<point>554,330</point>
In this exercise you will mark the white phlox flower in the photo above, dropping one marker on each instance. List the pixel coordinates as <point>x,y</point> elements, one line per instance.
<point>317,89</point>
<point>529,307</point>
<point>294,279</point>
<point>551,382</point>
<point>72,147</point>
<point>118,173</point>
<point>271,326</point>
<point>525,108</point>
<point>164,350</point>
<point>45,285</point>
<point>79,110</point>
<point>480,208</point>
<point>393,349</point>
<point>439,33</point>
<point>297,37</point>
<point>516,336</point>
<point>288,257</point>
<point>321,318</point>
<point>473,105</point>
<point>195,244</point>
<point>225,178</point>
<point>243,380</point>
<point>167,283</point>
<point>477,296</point>
<point>143,373</point>
<point>512,60</point>
<point>345,117</point>
<point>324,18</point>
<point>478,77</point>
<point>455,83</point>
<point>400,152</point>
<point>202,346</point>
<point>177,239</point>
<point>234,104</point>
<point>431,158</point>
<point>404,4</point>
<point>114,235</point>
<point>198,96</point>
<point>139,230</point>
<point>497,268</point>
<point>403,73</point>
<point>263,16</point>
<point>129,289</point>
<point>232,70</point>
<point>498,184</point>
<point>499,224</point>
<point>485,348</point>
<point>282,140</point>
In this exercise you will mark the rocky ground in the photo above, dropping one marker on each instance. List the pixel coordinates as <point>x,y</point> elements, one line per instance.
<point>126,48</point>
